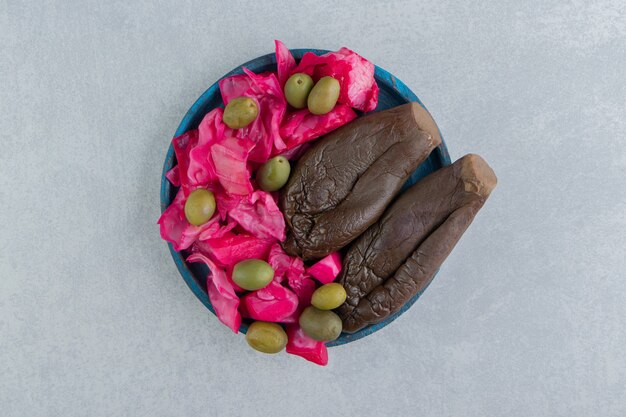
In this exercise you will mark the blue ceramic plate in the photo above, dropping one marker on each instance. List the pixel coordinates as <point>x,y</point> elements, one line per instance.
<point>393,93</point>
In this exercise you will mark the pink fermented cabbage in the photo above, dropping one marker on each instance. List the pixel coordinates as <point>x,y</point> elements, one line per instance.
<point>176,229</point>
<point>230,159</point>
<point>217,229</point>
<point>225,202</point>
<point>260,216</point>
<point>212,128</point>
<point>202,171</point>
<point>302,345</point>
<point>182,146</point>
<point>221,293</point>
<point>358,88</point>
<point>231,248</point>
<point>173,176</point>
<point>285,266</point>
<point>304,287</point>
<point>327,269</point>
<point>273,303</point>
<point>264,130</point>
<point>295,153</point>
<point>284,62</point>
<point>291,269</point>
<point>302,126</point>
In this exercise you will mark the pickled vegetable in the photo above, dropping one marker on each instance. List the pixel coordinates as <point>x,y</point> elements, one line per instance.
<point>200,206</point>
<point>252,274</point>
<point>329,296</point>
<point>266,337</point>
<point>297,89</point>
<point>323,96</point>
<point>273,175</point>
<point>240,112</point>
<point>320,325</point>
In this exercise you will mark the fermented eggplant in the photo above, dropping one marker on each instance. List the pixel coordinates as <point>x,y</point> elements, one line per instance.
<point>398,256</point>
<point>343,184</point>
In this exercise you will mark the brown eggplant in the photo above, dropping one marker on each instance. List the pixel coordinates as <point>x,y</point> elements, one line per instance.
<point>397,257</point>
<point>343,184</point>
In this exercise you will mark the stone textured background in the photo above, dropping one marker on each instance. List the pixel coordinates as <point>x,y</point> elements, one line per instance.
<point>526,318</point>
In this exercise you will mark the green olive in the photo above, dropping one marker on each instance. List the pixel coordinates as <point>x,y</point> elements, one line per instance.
<point>323,96</point>
<point>329,296</point>
<point>200,206</point>
<point>266,337</point>
<point>240,112</point>
<point>321,325</point>
<point>297,89</point>
<point>273,174</point>
<point>252,274</point>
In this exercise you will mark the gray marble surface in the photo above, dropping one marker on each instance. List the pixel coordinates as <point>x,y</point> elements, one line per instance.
<point>526,318</point>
